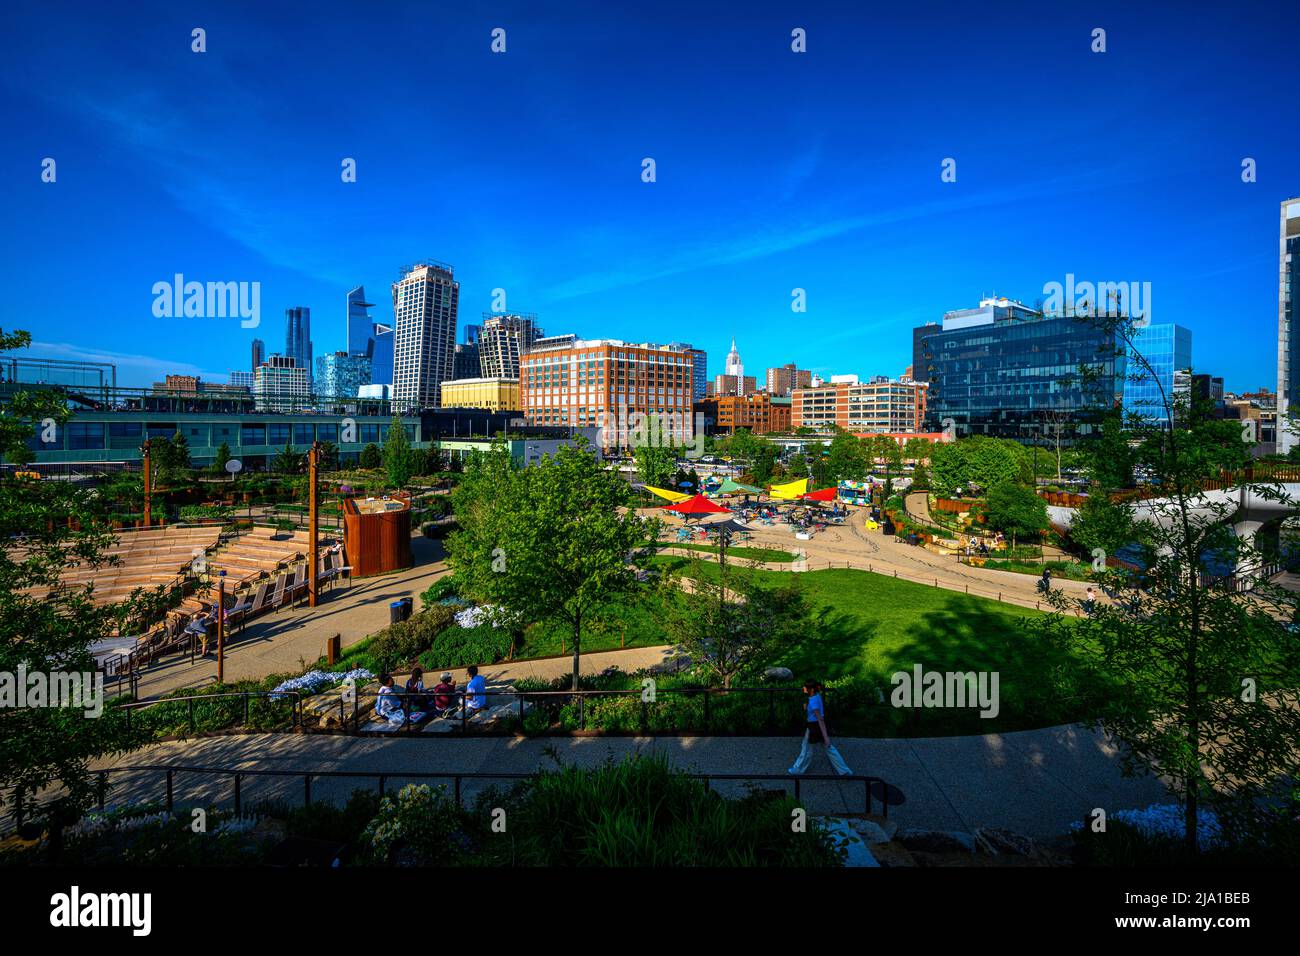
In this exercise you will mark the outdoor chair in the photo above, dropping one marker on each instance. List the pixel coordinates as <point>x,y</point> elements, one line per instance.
<point>277,596</point>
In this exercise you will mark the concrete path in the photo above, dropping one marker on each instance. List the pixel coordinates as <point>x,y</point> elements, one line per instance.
<point>1034,782</point>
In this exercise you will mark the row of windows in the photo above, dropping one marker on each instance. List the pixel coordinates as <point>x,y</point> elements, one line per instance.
<point>81,436</point>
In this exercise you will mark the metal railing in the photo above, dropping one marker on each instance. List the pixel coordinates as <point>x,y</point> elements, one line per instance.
<point>246,697</point>
<point>22,808</point>
<point>464,715</point>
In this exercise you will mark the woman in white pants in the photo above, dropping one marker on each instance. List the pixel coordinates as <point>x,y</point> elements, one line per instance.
<point>815,733</point>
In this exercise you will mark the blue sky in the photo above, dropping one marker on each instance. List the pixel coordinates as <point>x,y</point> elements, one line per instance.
<point>775,170</point>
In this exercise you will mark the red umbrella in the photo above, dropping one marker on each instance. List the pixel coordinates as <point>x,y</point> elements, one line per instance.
<point>698,505</point>
<point>826,494</point>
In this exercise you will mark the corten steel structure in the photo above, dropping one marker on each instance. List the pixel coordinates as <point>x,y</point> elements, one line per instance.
<point>377,534</point>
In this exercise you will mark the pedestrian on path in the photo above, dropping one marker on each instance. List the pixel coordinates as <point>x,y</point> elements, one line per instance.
<point>815,733</point>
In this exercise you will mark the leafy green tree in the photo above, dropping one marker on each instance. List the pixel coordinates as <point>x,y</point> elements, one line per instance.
<point>288,461</point>
<point>399,460</point>
<point>984,461</point>
<point>730,623</point>
<point>371,456</point>
<point>1103,524</point>
<point>654,465</point>
<point>848,459</point>
<point>223,455</point>
<point>553,542</point>
<point>1016,511</point>
<point>45,628</point>
<point>327,458</point>
<point>1207,676</point>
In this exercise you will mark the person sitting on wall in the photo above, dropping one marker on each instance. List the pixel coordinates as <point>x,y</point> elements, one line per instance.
<point>444,694</point>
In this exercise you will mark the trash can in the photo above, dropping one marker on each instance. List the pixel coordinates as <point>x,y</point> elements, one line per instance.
<point>394,612</point>
<point>408,607</point>
<point>887,527</point>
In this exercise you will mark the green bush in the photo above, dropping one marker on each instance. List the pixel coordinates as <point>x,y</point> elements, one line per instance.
<point>460,646</point>
<point>415,827</point>
<point>404,641</point>
<point>643,812</point>
<point>439,590</point>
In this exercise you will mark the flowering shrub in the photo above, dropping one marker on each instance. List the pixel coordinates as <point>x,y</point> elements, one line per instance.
<point>414,827</point>
<point>313,682</point>
<point>1164,821</point>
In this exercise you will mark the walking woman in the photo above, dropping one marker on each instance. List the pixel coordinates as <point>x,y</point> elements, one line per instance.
<point>815,733</point>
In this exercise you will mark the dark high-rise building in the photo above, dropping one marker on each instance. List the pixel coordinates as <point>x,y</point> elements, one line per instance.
<point>1288,318</point>
<point>1009,371</point>
<point>381,358</point>
<point>297,336</point>
<point>918,359</point>
<point>259,353</point>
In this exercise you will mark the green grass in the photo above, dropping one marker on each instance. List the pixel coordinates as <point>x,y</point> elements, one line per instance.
<point>1070,570</point>
<point>765,555</point>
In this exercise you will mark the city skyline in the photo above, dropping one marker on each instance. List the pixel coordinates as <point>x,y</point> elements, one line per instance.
<point>156,177</point>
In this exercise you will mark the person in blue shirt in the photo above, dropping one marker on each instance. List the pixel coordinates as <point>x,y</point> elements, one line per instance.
<point>815,733</point>
<point>475,690</point>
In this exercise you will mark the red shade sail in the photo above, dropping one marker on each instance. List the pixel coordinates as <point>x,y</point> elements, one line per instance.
<point>826,494</point>
<point>698,505</point>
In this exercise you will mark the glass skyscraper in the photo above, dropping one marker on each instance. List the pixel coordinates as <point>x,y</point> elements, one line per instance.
<point>1288,312</point>
<point>297,336</point>
<point>360,327</point>
<point>340,375</point>
<point>1168,349</point>
<point>1008,371</point>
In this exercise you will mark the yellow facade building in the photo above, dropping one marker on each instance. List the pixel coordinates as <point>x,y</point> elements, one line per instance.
<point>493,394</point>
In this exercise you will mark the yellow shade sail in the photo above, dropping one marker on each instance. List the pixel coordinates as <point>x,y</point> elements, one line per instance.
<point>790,490</point>
<point>673,496</point>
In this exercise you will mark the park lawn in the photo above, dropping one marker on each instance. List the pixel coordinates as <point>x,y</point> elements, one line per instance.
<point>740,553</point>
<point>875,626</point>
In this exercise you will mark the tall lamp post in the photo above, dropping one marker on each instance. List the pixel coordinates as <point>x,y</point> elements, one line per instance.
<point>313,528</point>
<point>221,627</point>
<point>147,476</point>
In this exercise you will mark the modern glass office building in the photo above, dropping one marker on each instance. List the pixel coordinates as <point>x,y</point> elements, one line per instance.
<point>360,326</point>
<point>1008,371</point>
<point>342,375</point>
<point>1288,317</point>
<point>297,336</point>
<point>1151,394</point>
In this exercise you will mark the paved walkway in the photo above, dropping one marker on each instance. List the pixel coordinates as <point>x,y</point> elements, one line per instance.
<point>288,640</point>
<point>1034,782</point>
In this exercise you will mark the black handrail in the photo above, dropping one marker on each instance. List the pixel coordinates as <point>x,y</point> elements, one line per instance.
<point>295,696</point>
<point>237,777</point>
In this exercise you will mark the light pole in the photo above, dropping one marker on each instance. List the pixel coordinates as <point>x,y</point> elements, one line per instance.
<point>221,627</point>
<point>147,476</point>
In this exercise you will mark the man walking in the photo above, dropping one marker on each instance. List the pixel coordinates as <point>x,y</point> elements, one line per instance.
<point>815,733</point>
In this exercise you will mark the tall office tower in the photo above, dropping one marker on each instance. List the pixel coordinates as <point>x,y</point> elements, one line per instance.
<point>919,373</point>
<point>360,329</point>
<point>502,339</point>
<point>1168,350</point>
<point>735,367</point>
<point>425,303</point>
<point>700,368</point>
<point>259,353</point>
<point>297,336</point>
<point>1288,332</point>
<point>381,359</point>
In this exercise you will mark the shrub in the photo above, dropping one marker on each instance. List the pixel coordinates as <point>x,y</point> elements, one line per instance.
<point>415,827</point>
<point>439,590</point>
<point>404,641</point>
<point>461,646</point>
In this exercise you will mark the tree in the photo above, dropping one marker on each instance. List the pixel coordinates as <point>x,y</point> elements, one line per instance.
<point>46,629</point>
<point>223,455</point>
<point>399,461</point>
<point>1102,524</point>
<point>980,460</point>
<point>1016,511</point>
<point>327,457</point>
<point>288,461</point>
<point>654,464</point>
<point>731,623</point>
<point>371,457</point>
<point>553,542</point>
<point>1206,674</point>
<point>848,459</point>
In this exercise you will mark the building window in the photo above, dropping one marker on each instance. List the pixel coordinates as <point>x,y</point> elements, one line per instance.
<point>252,435</point>
<point>85,435</point>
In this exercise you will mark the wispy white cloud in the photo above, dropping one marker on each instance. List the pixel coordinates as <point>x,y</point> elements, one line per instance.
<point>131,367</point>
